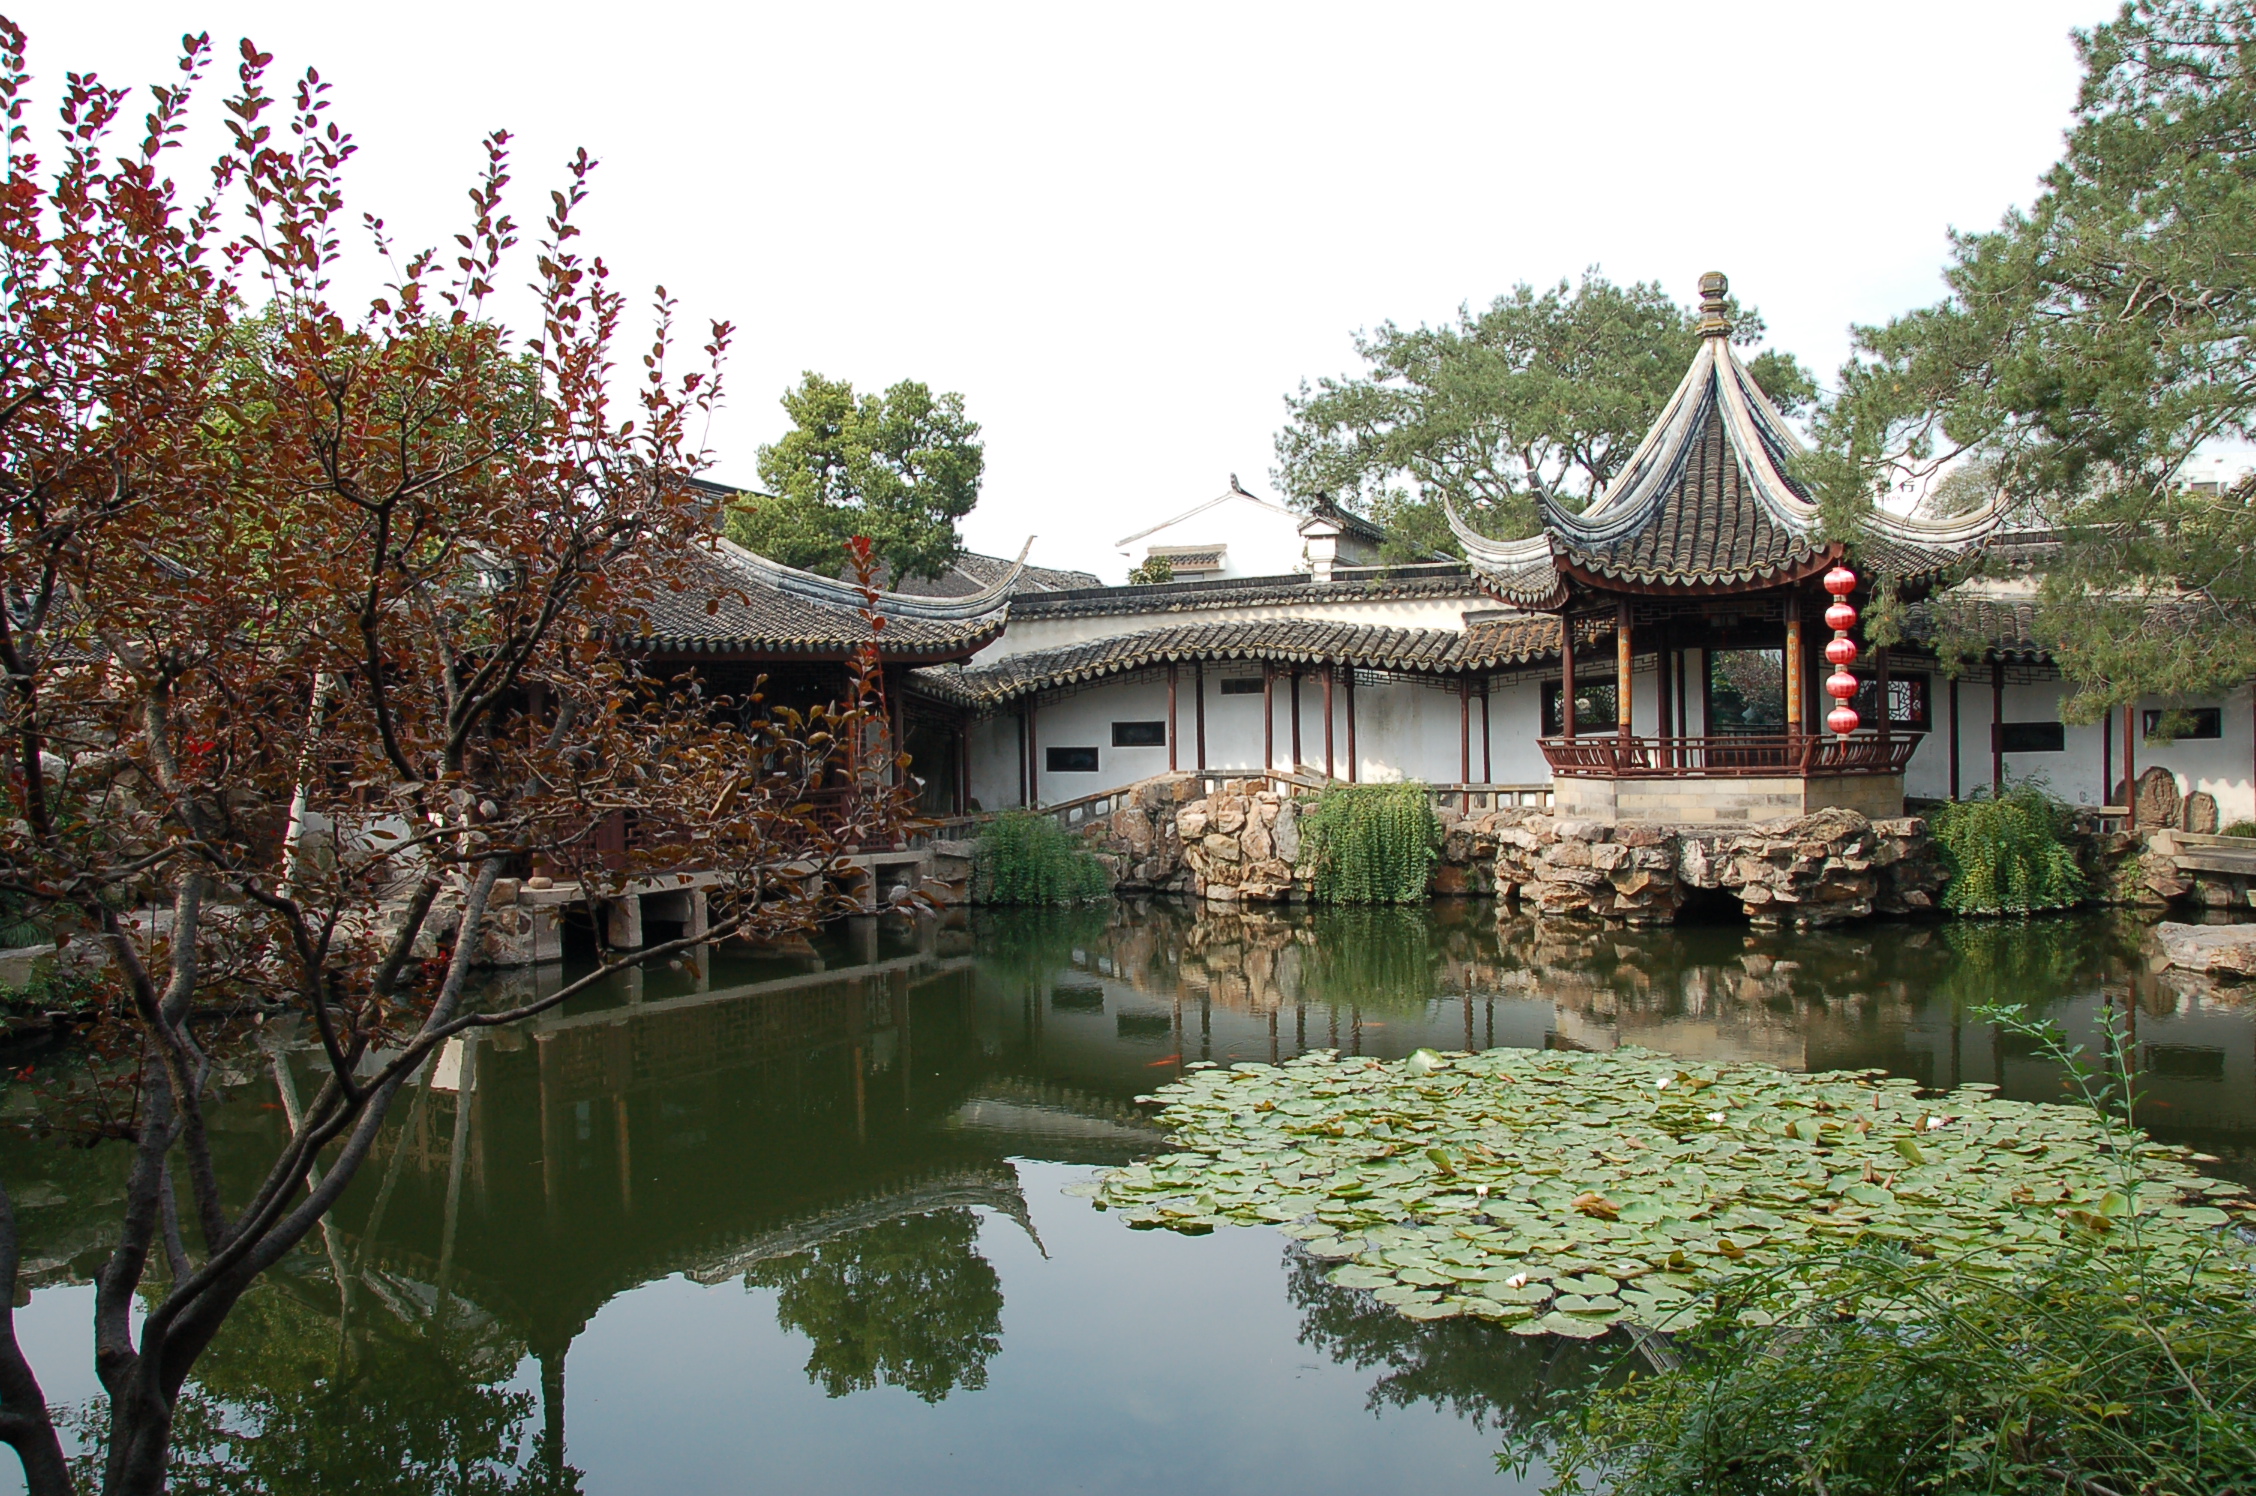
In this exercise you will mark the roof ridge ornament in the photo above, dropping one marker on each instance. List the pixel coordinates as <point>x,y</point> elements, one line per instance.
<point>1714,287</point>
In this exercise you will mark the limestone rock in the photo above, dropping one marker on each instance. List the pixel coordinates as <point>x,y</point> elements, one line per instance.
<point>2158,799</point>
<point>2199,813</point>
<point>1191,821</point>
<point>1227,813</point>
<point>2226,950</point>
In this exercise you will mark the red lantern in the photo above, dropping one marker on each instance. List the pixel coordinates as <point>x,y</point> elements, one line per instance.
<point>1840,617</point>
<point>1841,685</point>
<point>1841,720</point>
<point>1842,651</point>
<point>1840,581</point>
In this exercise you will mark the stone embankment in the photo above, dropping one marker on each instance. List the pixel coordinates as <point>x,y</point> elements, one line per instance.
<point>1818,869</point>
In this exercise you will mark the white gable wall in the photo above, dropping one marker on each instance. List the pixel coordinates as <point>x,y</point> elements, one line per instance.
<point>1260,539</point>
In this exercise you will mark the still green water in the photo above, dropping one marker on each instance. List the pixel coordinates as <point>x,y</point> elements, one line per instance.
<point>796,1224</point>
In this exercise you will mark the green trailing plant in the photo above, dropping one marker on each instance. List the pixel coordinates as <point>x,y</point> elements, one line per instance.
<point>1373,843</point>
<point>1027,858</point>
<point>2240,828</point>
<point>2008,855</point>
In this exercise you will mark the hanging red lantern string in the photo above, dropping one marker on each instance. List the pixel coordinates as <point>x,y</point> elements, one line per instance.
<point>1840,618</point>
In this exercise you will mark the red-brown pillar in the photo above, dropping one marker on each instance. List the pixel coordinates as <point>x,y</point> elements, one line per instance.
<point>1198,708</point>
<point>1488,771</point>
<point>1268,716</point>
<point>1329,672</point>
<point>1794,687</point>
<point>1354,765</point>
<point>1622,647</point>
<point>1566,674</point>
<point>1293,705</point>
<point>1174,668</point>
<point>2130,764</point>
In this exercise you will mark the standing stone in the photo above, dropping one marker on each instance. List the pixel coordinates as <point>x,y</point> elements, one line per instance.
<point>2200,813</point>
<point>2158,801</point>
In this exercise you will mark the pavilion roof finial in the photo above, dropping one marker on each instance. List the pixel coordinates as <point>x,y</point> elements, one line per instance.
<point>1714,286</point>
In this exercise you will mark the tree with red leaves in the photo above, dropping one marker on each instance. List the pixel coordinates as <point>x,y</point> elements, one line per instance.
<point>311,628</point>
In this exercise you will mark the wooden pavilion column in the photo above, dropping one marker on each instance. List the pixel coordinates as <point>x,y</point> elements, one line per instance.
<point>1954,737</point>
<point>1198,708</point>
<point>1623,728</point>
<point>2130,764</point>
<point>1464,729</point>
<point>1292,702</point>
<point>1174,668</point>
<point>1793,664</point>
<point>1885,710</point>
<point>1488,769</point>
<point>963,768</point>
<point>1329,672</point>
<point>1268,716</point>
<point>1566,674</point>
<point>1997,726</point>
<point>2107,757</point>
<point>1033,761</point>
<point>1354,769</point>
<point>1661,683</point>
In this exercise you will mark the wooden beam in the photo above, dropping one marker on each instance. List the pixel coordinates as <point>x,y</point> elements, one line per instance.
<point>1329,672</point>
<point>1033,761</point>
<point>1464,730</point>
<point>1488,771</point>
<point>2130,764</point>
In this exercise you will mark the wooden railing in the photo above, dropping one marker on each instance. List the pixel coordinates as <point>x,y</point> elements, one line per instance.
<point>1797,756</point>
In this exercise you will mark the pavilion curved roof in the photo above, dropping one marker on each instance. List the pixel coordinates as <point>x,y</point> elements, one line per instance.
<point>1707,503</point>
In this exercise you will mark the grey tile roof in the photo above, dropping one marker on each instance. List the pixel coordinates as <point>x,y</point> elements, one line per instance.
<point>973,572</point>
<point>1294,641</point>
<point>1349,584</point>
<point>722,602</point>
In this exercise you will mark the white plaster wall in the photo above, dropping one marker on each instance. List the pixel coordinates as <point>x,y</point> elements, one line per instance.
<point>2221,766</point>
<point>1026,635</point>
<point>994,761</point>
<point>1515,714</point>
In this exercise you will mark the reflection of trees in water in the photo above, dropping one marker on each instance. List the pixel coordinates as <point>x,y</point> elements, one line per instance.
<point>285,1403</point>
<point>1475,1369</point>
<point>908,1304</point>
<point>2036,961</point>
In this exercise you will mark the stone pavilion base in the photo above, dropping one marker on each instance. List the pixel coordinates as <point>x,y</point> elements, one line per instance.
<point>1726,800</point>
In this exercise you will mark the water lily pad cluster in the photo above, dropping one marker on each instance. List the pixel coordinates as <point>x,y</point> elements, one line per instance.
<point>1568,1192</point>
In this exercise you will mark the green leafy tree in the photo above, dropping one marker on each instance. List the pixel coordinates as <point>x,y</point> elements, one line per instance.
<point>900,468</point>
<point>2090,346</point>
<point>1543,392</point>
<point>908,1304</point>
<point>1152,570</point>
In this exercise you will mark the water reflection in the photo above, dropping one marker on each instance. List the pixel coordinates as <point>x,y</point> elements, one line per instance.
<point>844,1133</point>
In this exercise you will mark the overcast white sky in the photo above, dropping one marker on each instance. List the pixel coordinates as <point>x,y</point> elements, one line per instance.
<point>1124,233</point>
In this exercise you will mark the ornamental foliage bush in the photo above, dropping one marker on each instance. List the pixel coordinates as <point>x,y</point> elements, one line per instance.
<point>1027,858</point>
<point>1373,843</point>
<point>2007,855</point>
<point>2094,1376</point>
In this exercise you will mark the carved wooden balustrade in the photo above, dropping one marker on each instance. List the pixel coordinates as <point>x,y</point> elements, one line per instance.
<point>1785,756</point>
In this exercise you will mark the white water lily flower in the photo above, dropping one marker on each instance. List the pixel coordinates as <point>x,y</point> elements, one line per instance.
<point>1663,1083</point>
<point>1481,1190</point>
<point>1935,1122</point>
<point>1517,1280</point>
<point>1715,1116</point>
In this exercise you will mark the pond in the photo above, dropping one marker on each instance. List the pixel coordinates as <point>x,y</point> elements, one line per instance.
<point>793,1223</point>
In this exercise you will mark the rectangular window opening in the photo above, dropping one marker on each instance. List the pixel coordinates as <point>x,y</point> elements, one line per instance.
<point>1594,707</point>
<point>2171,724</point>
<point>1070,760</point>
<point>1241,685</point>
<point>1746,692</point>
<point>1907,701</point>
<point>2032,737</point>
<point>1139,734</point>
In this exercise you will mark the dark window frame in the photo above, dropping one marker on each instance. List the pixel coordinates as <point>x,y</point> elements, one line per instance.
<point>1151,734</point>
<point>1585,721</point>
<point>1070,760</point>
<point>1913,689</point>
<point>2016,737</point>
<point>2208,723</point>
<point>1240,685</point>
